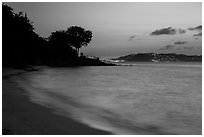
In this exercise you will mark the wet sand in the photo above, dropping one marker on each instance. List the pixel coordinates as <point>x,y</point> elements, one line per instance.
<point>22,117</point>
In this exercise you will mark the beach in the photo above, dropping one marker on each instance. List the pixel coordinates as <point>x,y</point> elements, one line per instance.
<point>101,68</point>
<point>22,117</point>
<point>142,99</point>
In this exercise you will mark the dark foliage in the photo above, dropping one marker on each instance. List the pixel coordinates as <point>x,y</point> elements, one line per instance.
<point>22,47</point>
<point>60,51</point>
<point>78,37</point>
<point>72,39</point>
<point>20,44</point>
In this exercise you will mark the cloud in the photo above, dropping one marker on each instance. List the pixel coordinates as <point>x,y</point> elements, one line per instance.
<point>187,48</point>
<point>137,37</point>
<point>131,37</point>
<point>197,35</point>
<point>167,31</point>
<point>199,28</point>
<point>180,42</point>
<point>179,48</point>
<point>167,47</point>
<point>181,31</point>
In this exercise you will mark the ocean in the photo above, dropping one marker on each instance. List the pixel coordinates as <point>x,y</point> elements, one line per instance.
<point>145,98</point>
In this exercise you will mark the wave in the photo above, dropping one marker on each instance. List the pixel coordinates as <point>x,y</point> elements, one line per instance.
<point>141,107</point>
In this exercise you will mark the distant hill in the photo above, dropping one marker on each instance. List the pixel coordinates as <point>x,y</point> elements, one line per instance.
<point>154,57</point>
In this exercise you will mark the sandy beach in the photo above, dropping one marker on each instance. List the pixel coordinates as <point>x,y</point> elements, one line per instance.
<point>22,117</point>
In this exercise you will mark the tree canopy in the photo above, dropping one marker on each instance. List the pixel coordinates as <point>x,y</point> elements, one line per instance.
<point>78,37</point>
<point>59,42</point>
<point>19,41</point>
<point>22,46</point>
<point>74,37</point>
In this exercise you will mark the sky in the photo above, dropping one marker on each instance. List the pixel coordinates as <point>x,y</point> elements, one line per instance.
<point>121,28</point>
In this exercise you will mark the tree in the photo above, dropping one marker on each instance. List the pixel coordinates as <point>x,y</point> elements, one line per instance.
<point>58,38</point>
<point>59,42</point>
<point>20,44</point>
<point>78,37</point>
<point>72,39</point>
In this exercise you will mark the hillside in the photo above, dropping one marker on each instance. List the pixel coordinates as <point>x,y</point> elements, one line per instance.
<point>153,57</point>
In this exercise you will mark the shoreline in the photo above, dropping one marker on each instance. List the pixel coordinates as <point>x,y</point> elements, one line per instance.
<point>22,117</point>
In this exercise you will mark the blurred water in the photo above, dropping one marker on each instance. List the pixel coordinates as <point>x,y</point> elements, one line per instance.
<point>140,99</point>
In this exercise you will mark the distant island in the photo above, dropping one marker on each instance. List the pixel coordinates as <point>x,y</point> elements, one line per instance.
<point>158,57</point>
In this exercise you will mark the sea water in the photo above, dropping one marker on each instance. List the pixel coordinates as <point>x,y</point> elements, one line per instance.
<point>145,98</point>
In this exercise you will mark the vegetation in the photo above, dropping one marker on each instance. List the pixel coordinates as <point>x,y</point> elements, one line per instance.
<point>19,41</point>
<point>78,37</point>
<point>21,46</point>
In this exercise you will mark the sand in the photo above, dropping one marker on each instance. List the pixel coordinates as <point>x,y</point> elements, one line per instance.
<point>22,117</point>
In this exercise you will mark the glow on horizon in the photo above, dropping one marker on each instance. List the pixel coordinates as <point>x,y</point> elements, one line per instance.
<point>113,24</point>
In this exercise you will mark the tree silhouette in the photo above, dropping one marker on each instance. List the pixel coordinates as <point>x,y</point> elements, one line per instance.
<point>72,39</point>
<point>59,41</point>
<point>78,37</point>
<point>20,44</point>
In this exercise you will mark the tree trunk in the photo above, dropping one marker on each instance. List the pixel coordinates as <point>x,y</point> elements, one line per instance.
<point>78,52</point>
